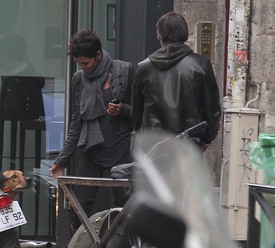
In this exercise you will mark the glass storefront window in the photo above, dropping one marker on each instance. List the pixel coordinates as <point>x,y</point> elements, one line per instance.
<point>33,38</point>
<point>99,16</point>
<point>104,23</point>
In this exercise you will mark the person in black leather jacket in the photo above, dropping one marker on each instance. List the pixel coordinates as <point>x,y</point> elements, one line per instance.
<point>100,127</point>
<point>175,88</point>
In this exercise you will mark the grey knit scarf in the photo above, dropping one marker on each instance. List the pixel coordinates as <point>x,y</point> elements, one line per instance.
<point>92,104</point>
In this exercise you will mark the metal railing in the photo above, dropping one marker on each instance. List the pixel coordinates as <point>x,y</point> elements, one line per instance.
<point>66,195</point>
<point>256,192</point>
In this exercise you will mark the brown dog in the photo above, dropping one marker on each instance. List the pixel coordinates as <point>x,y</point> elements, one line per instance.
<point>15,181</point>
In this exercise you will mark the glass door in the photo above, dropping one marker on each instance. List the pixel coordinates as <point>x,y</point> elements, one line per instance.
<point>99,16</point>
<point>33,69</point>
<point>104,23</point>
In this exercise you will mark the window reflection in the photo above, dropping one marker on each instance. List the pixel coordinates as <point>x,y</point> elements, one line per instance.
<point>33,41</point>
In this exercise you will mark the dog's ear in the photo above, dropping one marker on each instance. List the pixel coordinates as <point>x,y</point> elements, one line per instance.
<point>2,179</point>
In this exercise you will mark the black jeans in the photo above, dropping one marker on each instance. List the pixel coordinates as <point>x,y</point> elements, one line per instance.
<point>87,195</point>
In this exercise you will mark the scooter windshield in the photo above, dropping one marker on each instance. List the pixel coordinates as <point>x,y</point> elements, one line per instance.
<point>174,179</point>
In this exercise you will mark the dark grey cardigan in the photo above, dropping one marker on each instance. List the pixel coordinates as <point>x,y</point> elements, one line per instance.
<point>122,76</point>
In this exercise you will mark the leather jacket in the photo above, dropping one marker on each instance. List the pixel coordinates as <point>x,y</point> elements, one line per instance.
<point>175,89</point>
<point>122,76</point>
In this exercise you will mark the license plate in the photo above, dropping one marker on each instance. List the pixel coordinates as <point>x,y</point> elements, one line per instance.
<point>11,216</point>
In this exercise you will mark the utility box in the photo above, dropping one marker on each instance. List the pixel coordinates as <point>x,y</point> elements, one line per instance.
<point>239,131</point>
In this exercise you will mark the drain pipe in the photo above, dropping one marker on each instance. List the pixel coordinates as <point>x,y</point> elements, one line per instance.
<point>237,63</point>
<point>257,96</point>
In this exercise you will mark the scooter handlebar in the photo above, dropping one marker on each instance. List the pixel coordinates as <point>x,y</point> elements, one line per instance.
<point>193,130</point>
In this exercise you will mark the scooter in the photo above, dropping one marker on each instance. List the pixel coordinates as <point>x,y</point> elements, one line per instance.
<point>172,204</point>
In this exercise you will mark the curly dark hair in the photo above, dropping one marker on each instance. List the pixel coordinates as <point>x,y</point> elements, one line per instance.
<point>84,43</point>
<point>172,27</point>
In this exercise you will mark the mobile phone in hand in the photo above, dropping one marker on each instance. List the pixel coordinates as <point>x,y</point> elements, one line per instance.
<point>115,101</point>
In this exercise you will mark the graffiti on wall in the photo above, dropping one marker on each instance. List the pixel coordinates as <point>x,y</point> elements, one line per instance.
<point>244,155</point>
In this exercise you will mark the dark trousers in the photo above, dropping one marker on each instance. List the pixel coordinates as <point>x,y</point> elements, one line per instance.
<point>86,167</point>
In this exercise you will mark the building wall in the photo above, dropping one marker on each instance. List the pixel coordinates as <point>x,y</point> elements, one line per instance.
<point>262,62</point>
<point>258,67</point>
